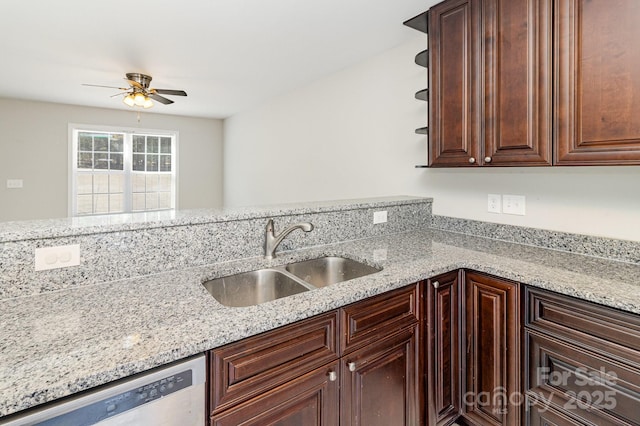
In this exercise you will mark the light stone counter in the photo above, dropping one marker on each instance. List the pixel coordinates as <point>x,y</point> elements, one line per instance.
<point>61,342</point>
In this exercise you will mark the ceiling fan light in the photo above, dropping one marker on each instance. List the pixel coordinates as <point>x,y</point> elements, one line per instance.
<point>139,99</point>
<point>129,100</point>
<point>148,103</point>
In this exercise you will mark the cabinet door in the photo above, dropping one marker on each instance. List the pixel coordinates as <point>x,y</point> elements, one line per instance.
<point>492,346</point>
<point>241,370</point>
<point>517,72</point>
<point>455,79</point>
<point>597,82</point>
<point>380,382</point>
<point>443,349</point>
<point>309,400</point>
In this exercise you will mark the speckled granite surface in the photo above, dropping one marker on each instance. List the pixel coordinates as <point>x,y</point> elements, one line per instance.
<point>65,227</point>
<point>114,252</point>
<point>608,248</point>
<point>57,343</point>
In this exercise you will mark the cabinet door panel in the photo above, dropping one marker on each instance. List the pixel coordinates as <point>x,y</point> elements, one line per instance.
<point>380,382</point>
<point>309,400</point>
<point>517,82</point>
<point>539,414</point>
<point>598,82</point>
<point>454,83</point>
<point>443,349</point>
<point>583,383</point>
<point>364,322</point>
<point>251,366</point>
<point>492,342</point>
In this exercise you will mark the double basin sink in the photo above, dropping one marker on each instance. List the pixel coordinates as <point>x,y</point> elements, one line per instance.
<point>255,287</point>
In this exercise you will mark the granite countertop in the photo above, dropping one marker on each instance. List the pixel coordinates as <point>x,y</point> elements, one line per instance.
<point>63,342</point>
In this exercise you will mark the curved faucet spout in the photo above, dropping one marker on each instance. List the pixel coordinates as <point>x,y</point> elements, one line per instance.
<point>271,241</point>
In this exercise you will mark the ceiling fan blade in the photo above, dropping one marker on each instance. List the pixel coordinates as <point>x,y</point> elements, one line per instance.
<point>118,94</point>
<point>169,92</point>
<point>135,84</point>
<point>108,87</point>
<point>160,99</point>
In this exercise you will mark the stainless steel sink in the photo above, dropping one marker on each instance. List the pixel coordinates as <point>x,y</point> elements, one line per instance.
<point>325,271</point>
<point>253,288</point>
<point>265,285</point>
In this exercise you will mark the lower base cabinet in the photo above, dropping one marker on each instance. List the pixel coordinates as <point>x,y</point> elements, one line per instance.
<point>582,361</point>
<point>369,374</point>
<point>308,400</point>
<point>380,383</point>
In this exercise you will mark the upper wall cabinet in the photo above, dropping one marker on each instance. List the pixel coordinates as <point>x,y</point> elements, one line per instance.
<point>534,82</point>
<point>517,82</point>
<point>597,82</point>
<point>490,82</point>
<point>455,75</point>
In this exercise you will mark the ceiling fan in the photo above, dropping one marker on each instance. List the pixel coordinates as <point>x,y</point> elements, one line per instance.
<point>140,94</point>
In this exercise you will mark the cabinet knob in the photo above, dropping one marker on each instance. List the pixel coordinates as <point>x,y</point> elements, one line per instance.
<point>435,284</point>
<point>352,366</point>
<point>472,160</point>
<point>487,159</point>
<point>333,376</point>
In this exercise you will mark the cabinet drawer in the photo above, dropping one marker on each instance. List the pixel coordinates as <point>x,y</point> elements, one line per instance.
<point>308,400</point>
<point>539,414</point>
<point>580,382</point>
<point>242,370</point>
<point>599,327</point>
<point>364,322</point>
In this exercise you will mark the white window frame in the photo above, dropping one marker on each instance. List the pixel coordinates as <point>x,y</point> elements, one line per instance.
<point>129,132</point>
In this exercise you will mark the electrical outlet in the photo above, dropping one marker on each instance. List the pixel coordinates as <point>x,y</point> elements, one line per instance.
<point>513,204</point>
<point>14,183</point>
<point>57,257</point>
<point>494,203</point>
<point>379,217</point>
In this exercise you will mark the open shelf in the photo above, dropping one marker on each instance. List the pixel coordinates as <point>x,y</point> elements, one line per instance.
<point>422,58</point>
<point>419,22</point>
<point>422,95</point>
<point>422,131</point>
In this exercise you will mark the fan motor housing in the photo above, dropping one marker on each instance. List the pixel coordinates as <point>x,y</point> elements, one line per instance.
<point>143,79</point>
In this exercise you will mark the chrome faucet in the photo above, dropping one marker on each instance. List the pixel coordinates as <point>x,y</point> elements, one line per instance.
<point>271,241</point>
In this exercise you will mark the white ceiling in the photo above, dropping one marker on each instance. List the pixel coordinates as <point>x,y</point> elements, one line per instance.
<point>228,55</point>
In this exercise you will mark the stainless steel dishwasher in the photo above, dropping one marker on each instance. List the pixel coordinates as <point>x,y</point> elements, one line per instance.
<point>168,396</point>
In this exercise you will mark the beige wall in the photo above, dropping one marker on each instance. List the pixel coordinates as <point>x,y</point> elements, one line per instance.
<point>351,135</point>
<point>34,147</point>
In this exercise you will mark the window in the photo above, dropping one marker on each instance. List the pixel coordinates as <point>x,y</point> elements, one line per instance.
<point>122,171</point>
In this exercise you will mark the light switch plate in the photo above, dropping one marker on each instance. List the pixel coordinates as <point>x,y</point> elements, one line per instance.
<point>379,217</point>
<point>57,257</point>
<point>513,204</point>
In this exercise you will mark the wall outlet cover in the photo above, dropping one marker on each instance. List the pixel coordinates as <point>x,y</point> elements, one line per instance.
<point>494,203</point>
<point>57,257</point>
<point>379,217</point>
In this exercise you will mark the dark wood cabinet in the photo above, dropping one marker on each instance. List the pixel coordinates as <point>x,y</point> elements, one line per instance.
<point>597,82</point>
<point>455,82</point>
<point>490,83</point>
<point>309,400</point>
<point>381,382</point>
<point>517,70</point>
<point>250,367</point>
<point>442,344</point>
<point>534,83</point>
<point>358,365</point>
<point>491,345</point>
<point>582,359</point>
